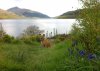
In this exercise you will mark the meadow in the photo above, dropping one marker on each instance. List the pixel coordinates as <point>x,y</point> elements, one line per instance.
<point>78,50</point>
<point>34,57</point>
<point>24,57</point>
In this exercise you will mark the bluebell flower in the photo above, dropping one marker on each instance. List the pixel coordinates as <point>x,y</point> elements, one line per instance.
<point>82,52</point>
<point>91,56</point>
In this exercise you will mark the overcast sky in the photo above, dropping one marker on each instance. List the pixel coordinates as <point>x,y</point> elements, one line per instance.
<point>49,7</point>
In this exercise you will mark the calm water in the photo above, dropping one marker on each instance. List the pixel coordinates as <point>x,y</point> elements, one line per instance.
<point>16,27</point>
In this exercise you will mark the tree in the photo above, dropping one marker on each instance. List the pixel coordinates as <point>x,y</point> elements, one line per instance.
<point>32,30</point>
<point>89,25</point>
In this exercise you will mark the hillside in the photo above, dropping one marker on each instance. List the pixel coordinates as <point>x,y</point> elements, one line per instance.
<point>70,14</point>
<point>27,13</point>
<point>8,15</point>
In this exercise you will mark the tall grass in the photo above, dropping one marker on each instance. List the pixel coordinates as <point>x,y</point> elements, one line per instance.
<point>25,57</point>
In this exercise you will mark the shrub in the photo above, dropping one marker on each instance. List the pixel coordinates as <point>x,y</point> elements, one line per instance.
<point>57,40</point>
<point>16,41</point>
<point>32,30</point>
<point>86,32</point>
<point>88,28</point>
<point>8,38</point>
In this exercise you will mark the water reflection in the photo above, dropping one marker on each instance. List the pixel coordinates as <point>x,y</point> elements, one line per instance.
<point>16,27</point>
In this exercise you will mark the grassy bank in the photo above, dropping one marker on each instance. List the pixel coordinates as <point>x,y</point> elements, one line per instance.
<point>25,57</point>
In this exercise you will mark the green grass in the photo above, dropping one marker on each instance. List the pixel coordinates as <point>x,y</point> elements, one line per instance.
<point>25,57</point>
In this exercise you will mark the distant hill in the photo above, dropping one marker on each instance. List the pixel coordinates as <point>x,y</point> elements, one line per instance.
<point>70,14</point>
<point>8,15</point>
<point>27,13</point>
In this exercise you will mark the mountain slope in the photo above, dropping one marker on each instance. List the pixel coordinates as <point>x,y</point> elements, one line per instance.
<point>71,14</point>
<point>8,15</point>
<point>27,13</point>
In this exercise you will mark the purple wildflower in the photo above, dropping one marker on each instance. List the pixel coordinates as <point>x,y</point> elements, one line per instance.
<point>91,56</point>
<point>82,52</point>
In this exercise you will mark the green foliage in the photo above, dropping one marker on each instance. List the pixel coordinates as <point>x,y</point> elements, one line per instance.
<point>87,33</point>
<point>8,38</point>
<point>88,28</point>
<point>16,41</point>
<point>60,38</point>
<point>31,39</point>
<point>57,40</point>
<point>31,35</point>
<point>2,33</point>
<point>23,57</point>
<point>76,31</point>
<point>27,41</point>
<point>38,38</point>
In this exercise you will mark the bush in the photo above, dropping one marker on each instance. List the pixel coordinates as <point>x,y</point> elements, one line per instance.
<point>88,28</point>
<point>32,30</point>
<point>30,39</point>
<point>27,40</point>
<point>86,32</point>
<point>16,41</point>
<point>57,40</point>
<point>8,39</point>
<point>38,38</point>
